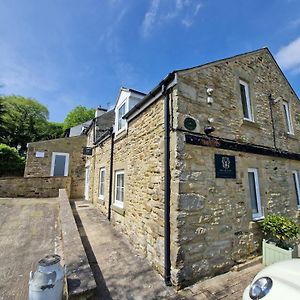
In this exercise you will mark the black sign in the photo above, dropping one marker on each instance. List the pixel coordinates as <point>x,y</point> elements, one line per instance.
<point>225,166</point>
<point>87,150</point>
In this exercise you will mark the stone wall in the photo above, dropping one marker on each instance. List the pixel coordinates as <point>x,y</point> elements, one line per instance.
<point>215,220</point>
<point>264,78</point>
<point>33,187</point>
<point>101,159</point>
<point>76,262</point>
<point>140,154</point>
<point>41,166</point>
<point>215,223</point>
<point>211,222</point>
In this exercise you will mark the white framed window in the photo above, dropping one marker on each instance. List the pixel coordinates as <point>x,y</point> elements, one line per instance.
<point>254,194</point>
<point>59,164</point>
<point>297,187</point>
<point>101,183</point>
<point>287,116</point>
<point>121,113</point>
<point>245,99</point>
<point>119,188</point>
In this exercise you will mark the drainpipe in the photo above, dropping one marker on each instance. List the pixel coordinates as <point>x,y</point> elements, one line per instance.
<point>271,103</point>
<point>111,174</point>
<point>167,181</point>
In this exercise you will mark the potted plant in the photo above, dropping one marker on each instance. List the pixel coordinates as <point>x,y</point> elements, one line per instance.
<point>280,239</point>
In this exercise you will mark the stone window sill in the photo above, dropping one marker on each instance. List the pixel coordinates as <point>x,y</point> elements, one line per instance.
<point>251,124</point>
<point>119,210</point>
<point>291,136</point>
<point>120,134</point>
<point>258,220</point>
<point>101,201</point>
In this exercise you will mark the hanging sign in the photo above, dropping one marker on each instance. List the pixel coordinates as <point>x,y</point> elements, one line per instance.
<point>87,151</point>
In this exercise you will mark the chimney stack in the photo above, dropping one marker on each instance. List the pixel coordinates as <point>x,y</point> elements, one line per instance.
<point>100,111</point>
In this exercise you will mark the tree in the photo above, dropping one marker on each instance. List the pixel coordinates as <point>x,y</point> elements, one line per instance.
<point>23,119</point>
<point>51,130</point>
<point>10,161</point>
<point>2,122</point>
<point>78,115</point>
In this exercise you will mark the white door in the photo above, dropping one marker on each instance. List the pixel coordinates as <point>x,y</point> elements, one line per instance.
<point>59,164</point>
<point>87,183</point>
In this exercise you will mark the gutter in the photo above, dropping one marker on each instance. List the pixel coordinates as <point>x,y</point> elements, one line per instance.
<point>157,90</point>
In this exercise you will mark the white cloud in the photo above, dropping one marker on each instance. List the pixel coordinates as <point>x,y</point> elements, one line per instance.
<point>198,6</point>
<point>288,56</point>
<point>187,22</point>
<point>150,17</point>
<point>184,11</point>
<point>114,26</point>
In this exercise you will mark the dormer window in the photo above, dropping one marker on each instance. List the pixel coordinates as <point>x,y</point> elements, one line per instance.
<point>121,113</point>
<point>127,99</point>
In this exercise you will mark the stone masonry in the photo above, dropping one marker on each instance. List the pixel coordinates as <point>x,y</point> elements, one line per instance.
<point>41,166</point>
<point>140,154</point>
<point>215,224</point>
<point>212,228</point>
<point>33,187</point>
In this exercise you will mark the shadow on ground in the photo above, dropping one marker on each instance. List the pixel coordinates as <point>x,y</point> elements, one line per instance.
<point>102,290</point>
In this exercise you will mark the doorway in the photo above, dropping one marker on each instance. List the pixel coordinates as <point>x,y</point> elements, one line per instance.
<point>59,164</point>
<point>87,183</point>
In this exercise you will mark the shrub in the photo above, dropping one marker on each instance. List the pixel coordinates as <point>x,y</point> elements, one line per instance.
<point>11,164</point>
<point>281,230</point>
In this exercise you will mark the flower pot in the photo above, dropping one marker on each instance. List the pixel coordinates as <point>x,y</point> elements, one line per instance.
<point>273,253</point>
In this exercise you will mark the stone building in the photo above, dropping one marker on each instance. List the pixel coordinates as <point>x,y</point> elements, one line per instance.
<point>65,157</point>
<point>58,158</point>
<point>189,170</point>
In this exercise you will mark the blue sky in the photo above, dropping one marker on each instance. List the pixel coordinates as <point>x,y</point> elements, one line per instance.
<point>66,53</point>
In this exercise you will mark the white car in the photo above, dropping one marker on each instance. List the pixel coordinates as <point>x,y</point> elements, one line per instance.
<point>279,281</point>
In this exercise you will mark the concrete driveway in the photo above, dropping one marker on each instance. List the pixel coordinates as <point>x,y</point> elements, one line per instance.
<point>28,231</point>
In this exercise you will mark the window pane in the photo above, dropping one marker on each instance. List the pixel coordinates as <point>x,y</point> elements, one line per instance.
<point>122,180</point>
<point>296,184</point>
<point>121,113</point>
<point>120,187</point>
<point>117,194</point>
<point>287,117</point>
<point>101,182</point>
<point>59,165</point>
<point>253,195</point>
<point>244,101</point>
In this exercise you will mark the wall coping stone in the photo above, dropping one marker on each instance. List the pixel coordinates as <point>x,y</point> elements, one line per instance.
<point>80,279</point>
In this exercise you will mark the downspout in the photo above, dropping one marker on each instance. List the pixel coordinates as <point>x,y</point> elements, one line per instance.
<point>271,103</point>
<point>167,181</point>
<point>111,174</point>
<point>94,130</point>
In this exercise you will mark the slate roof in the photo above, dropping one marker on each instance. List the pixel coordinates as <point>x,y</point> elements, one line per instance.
<point>104,124</point>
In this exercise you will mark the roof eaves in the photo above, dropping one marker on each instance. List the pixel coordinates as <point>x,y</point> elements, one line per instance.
<point>282,73</point>
<point>223,59</point>
<point>150,95</point>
